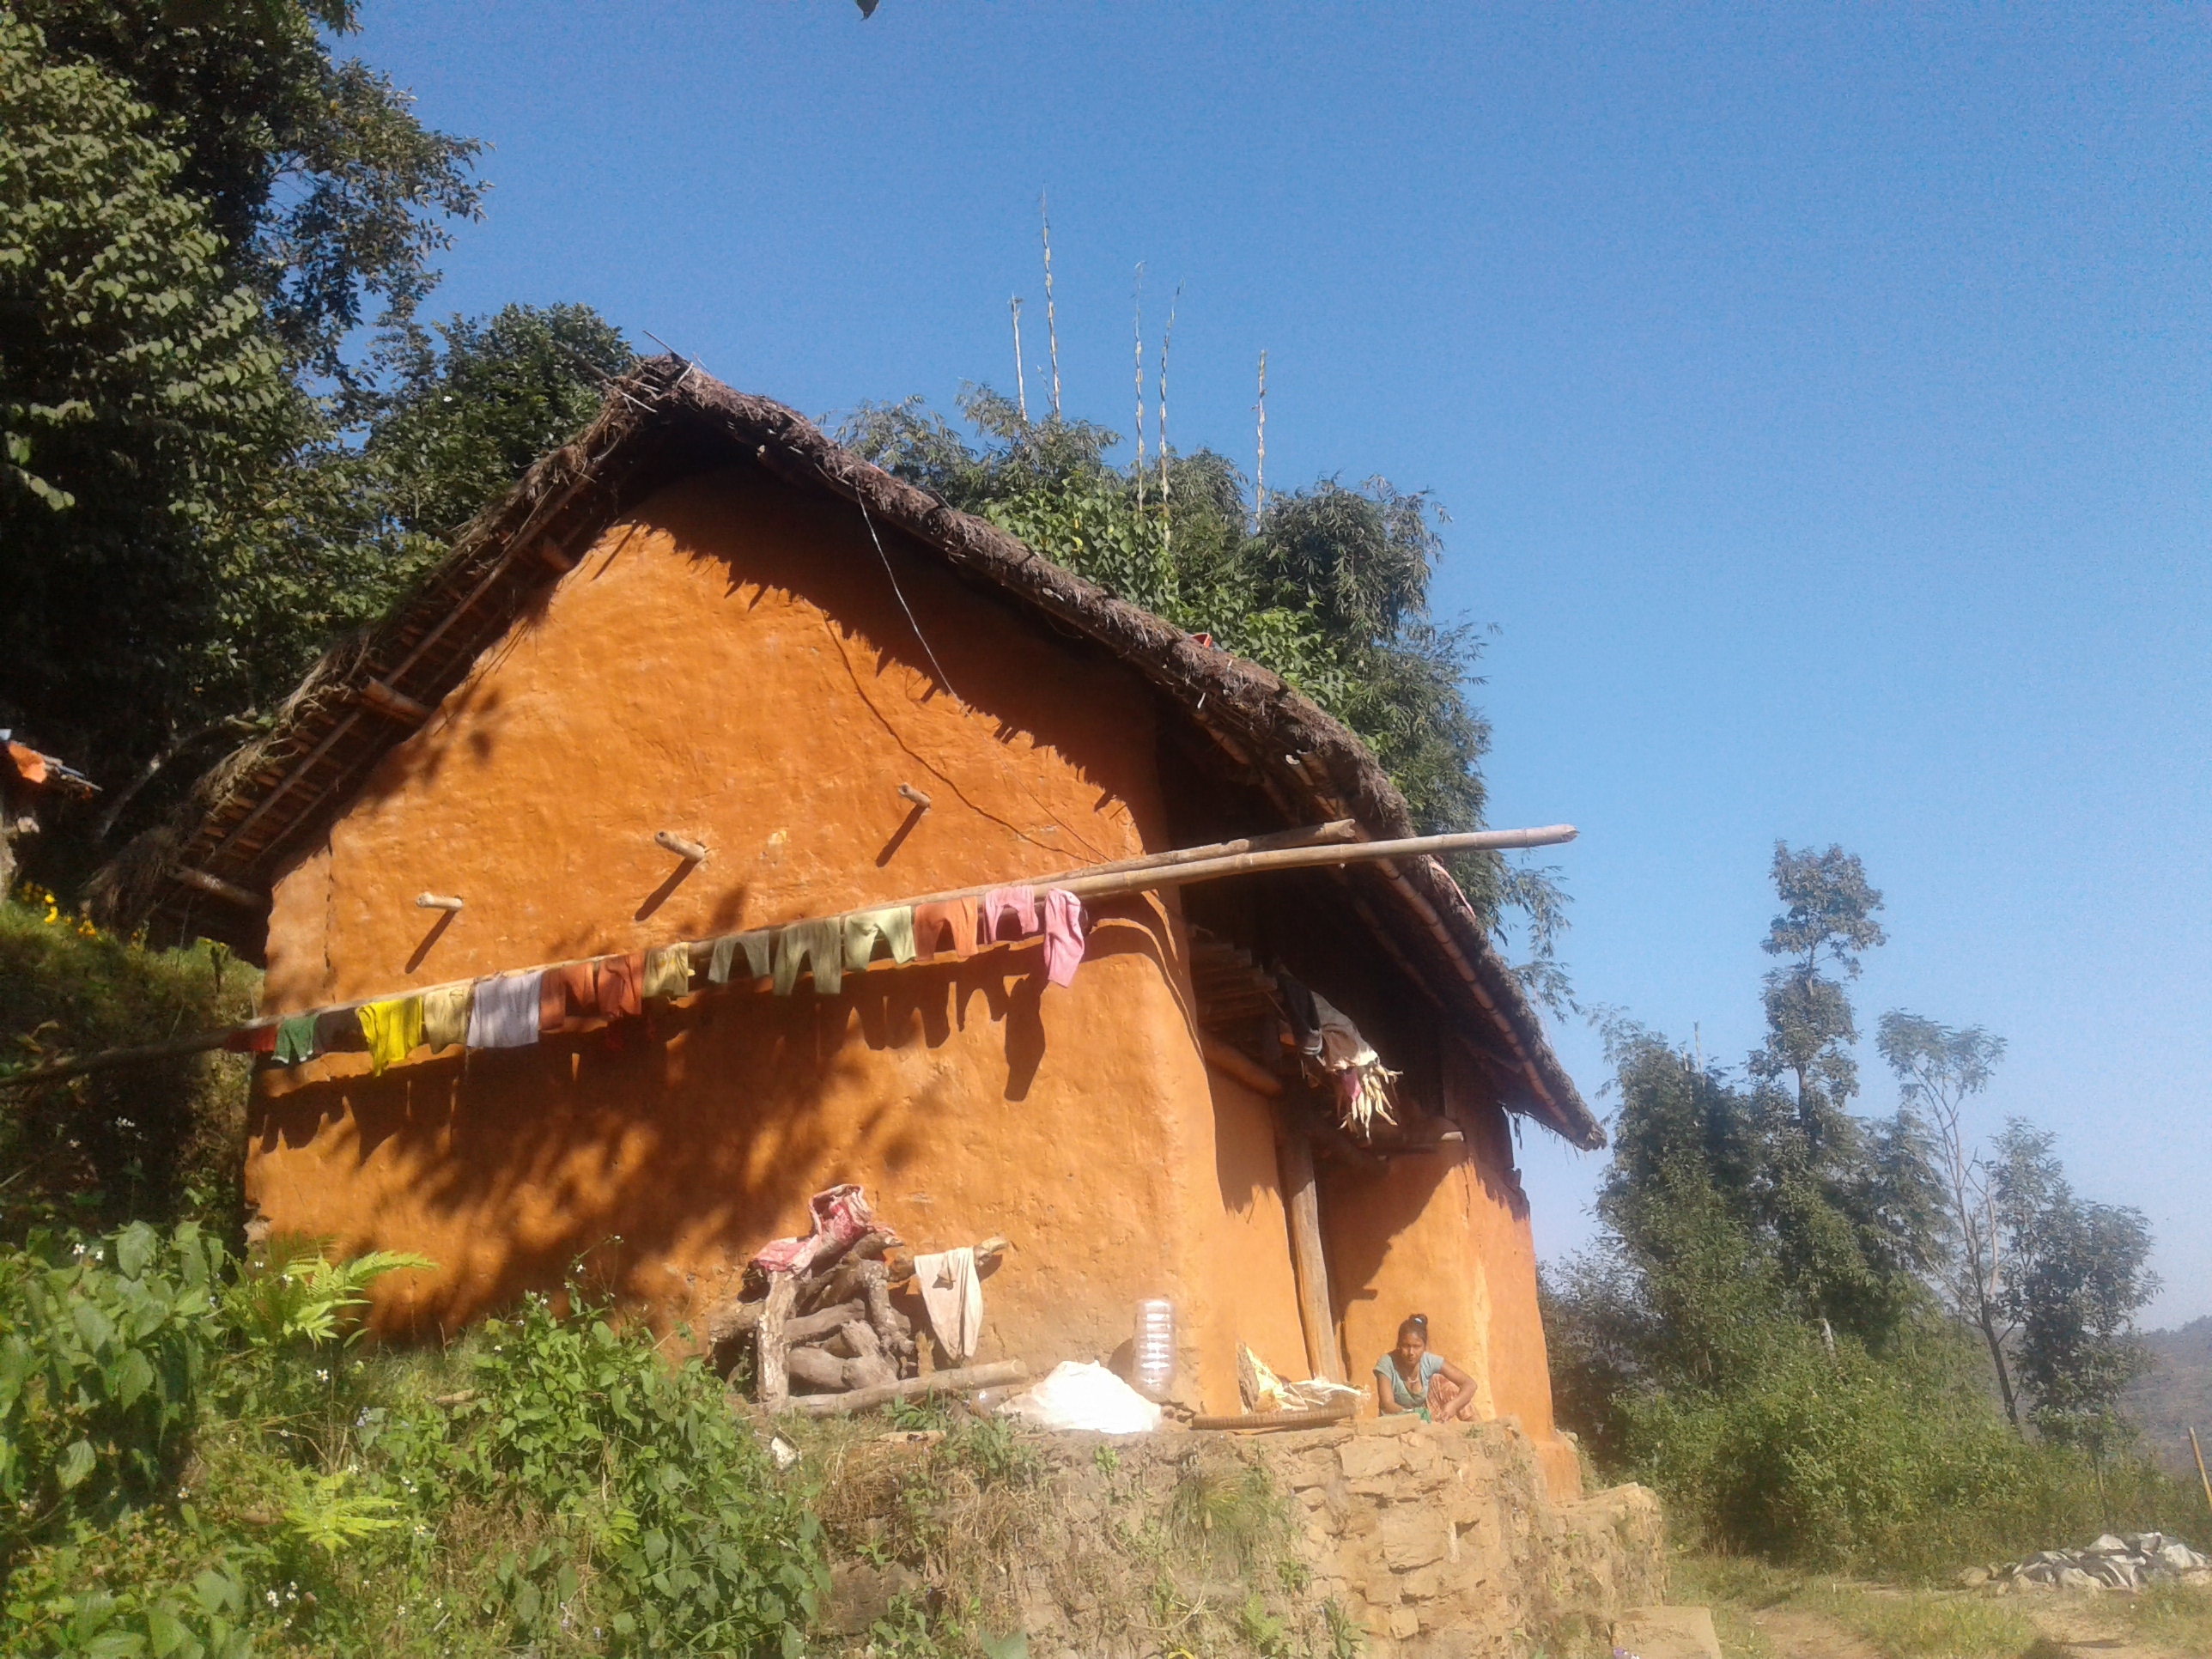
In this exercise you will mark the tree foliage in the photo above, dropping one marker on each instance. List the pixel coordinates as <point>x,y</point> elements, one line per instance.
<point>201,208</point>
<point>1329,587</point>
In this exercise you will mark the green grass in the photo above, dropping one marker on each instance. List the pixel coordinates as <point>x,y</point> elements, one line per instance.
<point>1910,1624</point>
<point>2178,1616</point>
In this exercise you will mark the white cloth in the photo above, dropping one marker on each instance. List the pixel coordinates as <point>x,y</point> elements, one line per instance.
<point>504,1013</point>
<point>954,1297</point>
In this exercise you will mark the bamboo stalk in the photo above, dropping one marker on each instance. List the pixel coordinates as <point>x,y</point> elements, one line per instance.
<point>965,1379</point>
<point>1259,510</point>
<point>2201,1475</point>
<point>1140,387</point>
<point>1153,872</point>
<point>1021,385</point>
<point>1051,322</point>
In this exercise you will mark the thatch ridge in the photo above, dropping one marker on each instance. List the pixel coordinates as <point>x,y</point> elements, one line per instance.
<point>666,418</point>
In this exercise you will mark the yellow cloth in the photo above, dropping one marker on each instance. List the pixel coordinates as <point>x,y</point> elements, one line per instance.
<point>445,1016</point>
<point>668,971</point>
<point>394,1030</point>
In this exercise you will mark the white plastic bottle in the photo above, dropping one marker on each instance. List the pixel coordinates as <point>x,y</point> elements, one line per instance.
<point>1155,1347</point>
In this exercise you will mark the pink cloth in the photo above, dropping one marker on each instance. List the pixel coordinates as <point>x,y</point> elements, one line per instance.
<point>841,1216</point>
<point>1019,903</point>
<point>1064,923</point>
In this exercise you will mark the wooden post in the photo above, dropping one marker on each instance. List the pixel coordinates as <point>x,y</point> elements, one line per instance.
<point>2202,1477</point>
<point>1302,1206</point>
<point>770,1343</point>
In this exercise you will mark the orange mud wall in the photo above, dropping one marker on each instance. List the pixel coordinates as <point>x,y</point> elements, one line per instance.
<point>1446,1234</point>
<point>732,665</point>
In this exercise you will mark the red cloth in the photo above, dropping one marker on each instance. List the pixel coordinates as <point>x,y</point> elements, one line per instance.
<point>565,994</point>
<point>254,1040</point>
<point>931,921</point>
<point>30,764</point>
<point>621,979</point>
<point>841,1216</point>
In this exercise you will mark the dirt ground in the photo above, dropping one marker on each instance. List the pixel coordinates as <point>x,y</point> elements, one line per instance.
<point>2071,1628</point>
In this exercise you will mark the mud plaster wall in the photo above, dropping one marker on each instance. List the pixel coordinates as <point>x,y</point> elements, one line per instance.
<point>732,665</point>
<point>1447,1234</point>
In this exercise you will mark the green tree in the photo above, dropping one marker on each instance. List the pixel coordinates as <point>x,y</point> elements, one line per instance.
<point>2078,1272</point>
<point>1939,1070</point>
<point>1328,587</point>
<point>201,207</point>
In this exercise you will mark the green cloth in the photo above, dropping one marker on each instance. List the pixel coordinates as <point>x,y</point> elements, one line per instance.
<point>757,945</point>
<point>895,926</point>
<point>295,1040</point>
<point>820,945</point>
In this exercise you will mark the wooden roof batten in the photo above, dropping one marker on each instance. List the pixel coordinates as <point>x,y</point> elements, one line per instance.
<point>666,419</point>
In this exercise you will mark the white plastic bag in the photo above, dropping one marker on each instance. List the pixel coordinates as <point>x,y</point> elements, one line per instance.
<point>1080,1396</point>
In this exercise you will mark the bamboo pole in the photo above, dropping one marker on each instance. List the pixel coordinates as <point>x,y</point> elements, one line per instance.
<point>964,1380</point>
<point>2201,1475</point>
<point>1181,868</point>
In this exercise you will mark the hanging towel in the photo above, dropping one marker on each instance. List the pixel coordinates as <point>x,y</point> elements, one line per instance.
<point>929,921</point>
<point>338,1032</point>
<point>393,1029</point>
<point>668,971</point>
<point>252,1040</point>
<point>1064,922</point>
<point>295,1040</point>
<point>620,978</point>
<point>954,1296</point>
<point>895,926</point>
<point>756,945</point>
<point>445,1016</point>
<point>821,946</point>
<point>506,1012</point>
<point>567,994</point>
<point>1018,902</point>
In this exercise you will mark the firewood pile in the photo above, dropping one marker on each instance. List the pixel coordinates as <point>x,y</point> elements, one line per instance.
<point>833,1330</point>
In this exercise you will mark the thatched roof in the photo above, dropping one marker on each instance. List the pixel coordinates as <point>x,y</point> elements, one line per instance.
<point>211,870</point>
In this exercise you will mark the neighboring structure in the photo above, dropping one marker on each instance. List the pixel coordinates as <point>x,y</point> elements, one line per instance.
<point>704,618</point>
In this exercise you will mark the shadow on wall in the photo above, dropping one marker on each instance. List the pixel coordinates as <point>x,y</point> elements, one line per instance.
<point>693,1133</point>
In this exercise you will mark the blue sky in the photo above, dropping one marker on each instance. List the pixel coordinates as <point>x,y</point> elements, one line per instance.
<point>1819,397</point>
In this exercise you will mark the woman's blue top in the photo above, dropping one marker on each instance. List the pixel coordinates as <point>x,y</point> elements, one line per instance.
<point>1400,1396</point>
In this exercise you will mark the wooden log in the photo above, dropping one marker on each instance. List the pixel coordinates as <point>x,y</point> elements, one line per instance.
<point>1302,1203</point>
<point>219,888</point>
<point>774,1384</point>
<point>964,1380</point>
<point>1316,1418</point>
<point>901,1268</point>
<point>690,851</point>
<point>437,902</point>
<point>876,1299</point>
<point>398,704</point>
<point>817,1369</point>
<point>812,1328</point>
<point>1230,1062</point>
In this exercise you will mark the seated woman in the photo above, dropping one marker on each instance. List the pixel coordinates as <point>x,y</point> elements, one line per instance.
<point>1409,1378</point>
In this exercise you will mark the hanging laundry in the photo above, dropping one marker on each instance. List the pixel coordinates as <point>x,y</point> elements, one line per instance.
<point>821,946</point>
<point>338,1032</point>
<point>1361,1081</point>
<point>506,1012</point>
<point>930,922</point>
<point>757,945</point>
<point>393,1029</point>
<point>1018,902</point>
<point>668,971</point>
<point>252,1040</point>
<point>295,1040</point>
<point>954,1298</point>
<point>840,1215</point>
<point>567,993</point>
<point>445,1016</point>
<point>620,978</point>
<point>1064,922</point>
<point>895,926</point>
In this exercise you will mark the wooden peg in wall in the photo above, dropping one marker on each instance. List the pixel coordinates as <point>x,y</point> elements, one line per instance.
<point>690,851</point>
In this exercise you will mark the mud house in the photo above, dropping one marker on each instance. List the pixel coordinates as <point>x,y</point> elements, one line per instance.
<point>704,671</point>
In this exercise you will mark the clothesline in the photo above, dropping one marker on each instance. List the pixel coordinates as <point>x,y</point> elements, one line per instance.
<point>1305,848</point>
